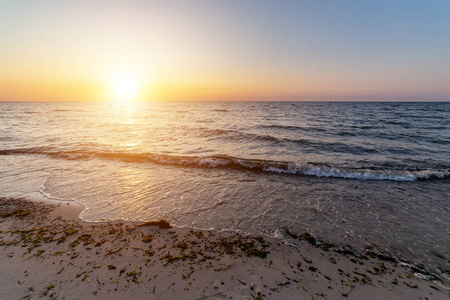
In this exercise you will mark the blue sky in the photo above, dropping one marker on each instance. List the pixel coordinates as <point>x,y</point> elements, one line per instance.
<point>268,50</point>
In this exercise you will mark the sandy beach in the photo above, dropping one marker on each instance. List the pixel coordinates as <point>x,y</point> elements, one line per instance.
<point>47,252</point>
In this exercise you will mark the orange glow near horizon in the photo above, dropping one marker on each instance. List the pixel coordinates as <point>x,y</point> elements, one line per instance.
<point>126,88</point>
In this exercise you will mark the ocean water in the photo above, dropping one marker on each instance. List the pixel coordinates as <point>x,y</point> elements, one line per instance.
<point>369,175</point>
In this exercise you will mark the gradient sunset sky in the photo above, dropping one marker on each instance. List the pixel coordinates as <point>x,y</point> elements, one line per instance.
<point>225,50</point>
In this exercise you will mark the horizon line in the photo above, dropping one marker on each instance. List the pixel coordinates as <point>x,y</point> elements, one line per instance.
<point>190,100</point>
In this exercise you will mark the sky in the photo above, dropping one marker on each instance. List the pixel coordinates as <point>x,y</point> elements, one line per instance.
<point>225,50</point>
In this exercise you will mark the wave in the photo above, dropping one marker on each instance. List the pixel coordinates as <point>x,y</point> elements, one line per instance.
<point>290,127</point>
<point>358,171</point>
<point>31,112</point>
<point>235,135</point>
<point>410,137</point>
<point>69,110</point>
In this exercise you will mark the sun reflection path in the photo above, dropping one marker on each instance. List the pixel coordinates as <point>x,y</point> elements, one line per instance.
<point>125,118</point>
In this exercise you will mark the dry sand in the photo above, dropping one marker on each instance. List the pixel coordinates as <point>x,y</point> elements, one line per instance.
<point>47,252</point>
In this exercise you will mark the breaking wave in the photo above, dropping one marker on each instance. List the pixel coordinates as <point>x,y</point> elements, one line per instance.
<point>357,171</point>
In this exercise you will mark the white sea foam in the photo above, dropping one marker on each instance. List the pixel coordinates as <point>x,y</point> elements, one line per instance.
<point>211,162</point>
<point>47,195</point>
<point>296,168</point>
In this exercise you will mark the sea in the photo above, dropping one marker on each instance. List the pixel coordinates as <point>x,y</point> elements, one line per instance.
<point>356,174</point>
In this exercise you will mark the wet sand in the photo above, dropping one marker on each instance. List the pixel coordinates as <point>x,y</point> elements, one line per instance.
<point>47,252</point>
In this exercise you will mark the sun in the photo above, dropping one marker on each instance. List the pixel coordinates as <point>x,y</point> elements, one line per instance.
<point>126,88</point>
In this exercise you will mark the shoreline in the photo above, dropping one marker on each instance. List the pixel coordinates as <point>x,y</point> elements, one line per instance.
<point>49,252</point>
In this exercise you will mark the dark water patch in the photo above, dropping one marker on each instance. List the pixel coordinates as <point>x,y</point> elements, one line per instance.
<point>399,123</point>
<point>346,133</point>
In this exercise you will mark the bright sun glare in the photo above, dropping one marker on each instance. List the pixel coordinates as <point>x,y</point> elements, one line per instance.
<point>126,88</point>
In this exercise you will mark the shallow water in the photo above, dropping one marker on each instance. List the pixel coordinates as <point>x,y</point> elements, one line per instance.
<point>364,174</point>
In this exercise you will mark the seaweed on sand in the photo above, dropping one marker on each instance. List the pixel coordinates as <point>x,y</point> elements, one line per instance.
<point>162,224</point>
